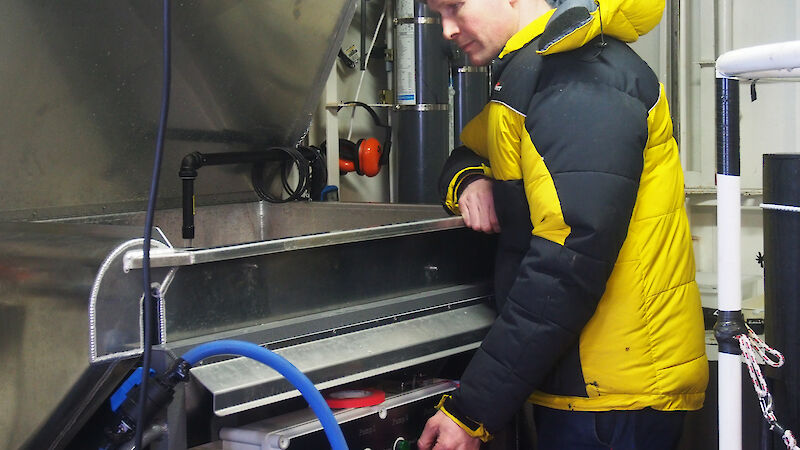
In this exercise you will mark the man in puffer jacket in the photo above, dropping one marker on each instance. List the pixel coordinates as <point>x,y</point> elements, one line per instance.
<point>574,163</point>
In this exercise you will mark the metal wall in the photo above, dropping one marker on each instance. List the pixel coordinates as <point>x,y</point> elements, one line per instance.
<point>80,87</point>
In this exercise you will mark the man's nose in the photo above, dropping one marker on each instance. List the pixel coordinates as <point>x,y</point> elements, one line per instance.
<point>449,29</point>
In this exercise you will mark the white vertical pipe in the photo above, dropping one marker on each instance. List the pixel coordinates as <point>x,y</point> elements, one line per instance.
<point>729,283</point>
<point>405,71</point>
<point>729,271</point>
<point>707,11</point>
<point>725,26</point>
<point>332,128</point>
<point>729,298</point>
<point>665,30</point>
<point>730,402</point>
<point>683,94</point>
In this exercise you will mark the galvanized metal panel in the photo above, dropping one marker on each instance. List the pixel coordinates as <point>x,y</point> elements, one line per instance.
<point>239,384</point>
<point>80,85</point>
<point>46,274</point>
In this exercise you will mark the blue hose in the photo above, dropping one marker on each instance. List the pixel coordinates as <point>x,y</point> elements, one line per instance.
<point>285,368</point>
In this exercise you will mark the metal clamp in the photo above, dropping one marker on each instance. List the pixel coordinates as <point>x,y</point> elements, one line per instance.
<point>419,20</point>
<point>423,107</point>
<point>470,69</point>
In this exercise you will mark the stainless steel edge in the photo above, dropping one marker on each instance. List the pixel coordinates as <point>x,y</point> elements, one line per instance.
<point>188,257</point>
<point>292,425</point>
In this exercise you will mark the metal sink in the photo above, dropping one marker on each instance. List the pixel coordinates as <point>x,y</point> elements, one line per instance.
<point>238,223</point>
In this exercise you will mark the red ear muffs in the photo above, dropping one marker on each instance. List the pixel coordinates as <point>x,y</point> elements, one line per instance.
<point>369,156</point>
<point>363,157</point>
<point>348,156</point>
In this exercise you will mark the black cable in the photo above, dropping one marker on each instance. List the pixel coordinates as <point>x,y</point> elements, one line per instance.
<point>148,230</point>
<point>318,178</point>
<point>295,158</point>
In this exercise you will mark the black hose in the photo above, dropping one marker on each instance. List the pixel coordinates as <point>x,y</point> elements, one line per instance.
<point>148,229</point>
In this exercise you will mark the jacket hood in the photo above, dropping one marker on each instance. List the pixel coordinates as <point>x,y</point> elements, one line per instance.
<point>576,22</point>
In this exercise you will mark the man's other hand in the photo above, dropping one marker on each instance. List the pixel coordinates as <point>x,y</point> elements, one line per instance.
<point>476,203</point>
<point>441,433</point>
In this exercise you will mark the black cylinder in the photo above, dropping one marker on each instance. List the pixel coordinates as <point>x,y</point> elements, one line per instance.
<point>728,127</point>
<point>782,281</point>
<point>422,139</point>
<point>470,91</point>
<point>187,230</point>
<point>430,50</point>
<point>421,130</point>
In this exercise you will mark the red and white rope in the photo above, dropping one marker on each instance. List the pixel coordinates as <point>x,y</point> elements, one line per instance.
<point>751,346</point>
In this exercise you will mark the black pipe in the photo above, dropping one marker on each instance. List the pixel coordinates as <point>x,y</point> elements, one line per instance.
<point>422,129</point>
<point>727,91</point>
<point>470,90</point>
<point>188,172</point>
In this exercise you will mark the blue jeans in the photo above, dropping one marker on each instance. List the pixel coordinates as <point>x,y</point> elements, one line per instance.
<point>645,429</point>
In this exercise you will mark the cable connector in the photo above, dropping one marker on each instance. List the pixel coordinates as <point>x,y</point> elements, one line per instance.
<point>160,391</point>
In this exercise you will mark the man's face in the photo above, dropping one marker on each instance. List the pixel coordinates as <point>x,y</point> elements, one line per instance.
<point>480,27</point>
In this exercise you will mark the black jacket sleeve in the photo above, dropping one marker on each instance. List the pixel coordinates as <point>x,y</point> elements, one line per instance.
<point>591,138</point>
<point>461,168</point>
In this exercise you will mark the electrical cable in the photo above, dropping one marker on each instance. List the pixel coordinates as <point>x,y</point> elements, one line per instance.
<point>285,368</point>
<point>148,226</point>
<point>303,182</point>
<point>366,61</point>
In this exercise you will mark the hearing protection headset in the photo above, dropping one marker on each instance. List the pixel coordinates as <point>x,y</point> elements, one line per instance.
<point>366,156</point>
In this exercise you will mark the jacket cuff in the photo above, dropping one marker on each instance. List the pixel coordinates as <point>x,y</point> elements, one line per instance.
<point>474,428</point>
<point>460,181</point>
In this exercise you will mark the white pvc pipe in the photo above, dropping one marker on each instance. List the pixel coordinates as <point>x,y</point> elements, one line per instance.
<point>405,70</point>
<point>725,25</point>
<point>332,128</point>
<point>390,15</point>
<point>729,254</point>
<point>730,401</point>
<point>729,298</point>
<point>779,60</point>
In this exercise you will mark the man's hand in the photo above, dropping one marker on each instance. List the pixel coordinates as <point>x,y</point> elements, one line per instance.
<point>441,433</point>
<point>476,203</point>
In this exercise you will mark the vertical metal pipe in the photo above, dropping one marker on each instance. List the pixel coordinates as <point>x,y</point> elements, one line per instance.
<point>730,321</point>
<point>363,56</point>
<point>421,119</point>
<point>782,283</point>
<point>471,91</point>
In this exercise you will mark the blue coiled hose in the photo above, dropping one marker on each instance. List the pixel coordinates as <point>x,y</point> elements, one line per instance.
<point>285,368</point>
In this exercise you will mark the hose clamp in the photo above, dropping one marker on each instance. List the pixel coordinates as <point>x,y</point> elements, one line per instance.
<point>419,20</point>
<point>472,69</point>
<point>423,107</point>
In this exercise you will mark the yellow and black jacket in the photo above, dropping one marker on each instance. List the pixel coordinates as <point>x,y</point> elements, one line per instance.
<point>594,280</point>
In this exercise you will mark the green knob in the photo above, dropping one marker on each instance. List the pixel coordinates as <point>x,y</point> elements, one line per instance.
<point>402,444</point>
